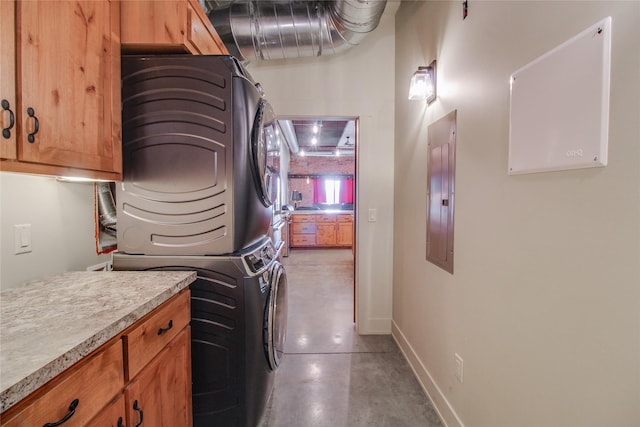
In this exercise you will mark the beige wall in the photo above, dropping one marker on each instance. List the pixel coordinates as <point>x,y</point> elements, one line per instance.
<point>544,303</point>
<point>62,227</point>
<point>358,83</point>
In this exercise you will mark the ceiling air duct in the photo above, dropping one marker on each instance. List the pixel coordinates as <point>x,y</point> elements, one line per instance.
<point>272,29</point>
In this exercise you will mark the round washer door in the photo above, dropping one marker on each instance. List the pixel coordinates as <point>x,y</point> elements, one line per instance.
<point>263,127</point>
<point>275,327</point>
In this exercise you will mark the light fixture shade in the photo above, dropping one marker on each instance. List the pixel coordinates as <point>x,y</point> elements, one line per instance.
<point>423,84</point>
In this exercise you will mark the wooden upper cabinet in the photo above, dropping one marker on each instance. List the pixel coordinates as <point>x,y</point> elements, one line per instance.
<point>172,26</point>
<point>8,80</point>
<point>67,68</point>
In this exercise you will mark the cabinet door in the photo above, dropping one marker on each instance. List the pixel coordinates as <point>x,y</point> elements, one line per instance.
<point>326,235</point>
<point>345,234</point>
<point>160,396</point>
<point>170,26</point>
<point>68,79</point>
<point>113,415</point>
<point>8,80</point>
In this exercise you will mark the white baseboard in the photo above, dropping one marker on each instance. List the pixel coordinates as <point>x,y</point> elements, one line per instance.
<point>375,326</point>
<point>439,401</point>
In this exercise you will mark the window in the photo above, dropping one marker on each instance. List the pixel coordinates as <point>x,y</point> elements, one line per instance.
<point>332,191</point>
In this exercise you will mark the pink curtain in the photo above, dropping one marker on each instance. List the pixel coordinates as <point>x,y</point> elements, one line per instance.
<point>346,190</point>
<point>319,192</point>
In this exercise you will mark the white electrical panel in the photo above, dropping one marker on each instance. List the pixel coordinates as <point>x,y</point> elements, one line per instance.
<point>559,116</point>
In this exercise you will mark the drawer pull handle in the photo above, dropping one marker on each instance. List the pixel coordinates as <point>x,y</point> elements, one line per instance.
<point>163,330</point>
<point>139,411</point>
<point>72,410</point>
<point>6,132</point>
<point>120,422</point>
<point>36,125</point>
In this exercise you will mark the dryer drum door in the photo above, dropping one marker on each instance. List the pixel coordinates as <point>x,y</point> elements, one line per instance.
<point>275,319</point>
<point>263,128</point>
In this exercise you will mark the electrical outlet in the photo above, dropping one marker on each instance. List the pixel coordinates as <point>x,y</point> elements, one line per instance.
<point>459,367</point>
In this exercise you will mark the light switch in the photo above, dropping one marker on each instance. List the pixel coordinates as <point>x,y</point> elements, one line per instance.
<point>22,238</point>
<point>373,215</point>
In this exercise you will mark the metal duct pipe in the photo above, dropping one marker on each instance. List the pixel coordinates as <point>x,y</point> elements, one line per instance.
<point>286,126</point>
<point>275,29</point>
<point>106,206</point>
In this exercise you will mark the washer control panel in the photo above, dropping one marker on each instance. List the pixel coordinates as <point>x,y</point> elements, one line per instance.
<point>261,257</point>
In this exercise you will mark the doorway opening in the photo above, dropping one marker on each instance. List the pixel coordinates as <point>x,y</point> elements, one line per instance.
<point>319,183</point>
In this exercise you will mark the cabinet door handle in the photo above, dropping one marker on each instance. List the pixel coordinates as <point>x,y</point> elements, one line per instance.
<point>139,411</point>
<point>36,125</point>
<point>120,423</point>
<point>72,410</point>
<point>6,132</point>
<point>163,330</point>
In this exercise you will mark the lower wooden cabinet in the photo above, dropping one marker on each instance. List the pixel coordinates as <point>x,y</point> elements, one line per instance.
<point>141,378</point>
<point>113,415</point>
<point>78,394</point>
<point>160,396</point>
<point>326,234</point>
<point>345,234</point>
<point>321,230</point>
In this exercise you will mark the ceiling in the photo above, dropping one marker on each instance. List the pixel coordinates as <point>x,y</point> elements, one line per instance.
<point>322,136</point>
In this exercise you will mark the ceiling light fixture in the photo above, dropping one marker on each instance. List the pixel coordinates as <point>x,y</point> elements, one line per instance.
<point>315,128</point>
<point>314,140</point>
<point>423,84</point>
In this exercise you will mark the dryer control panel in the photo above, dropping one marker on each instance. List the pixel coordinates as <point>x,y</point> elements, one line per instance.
<point>261,257</point>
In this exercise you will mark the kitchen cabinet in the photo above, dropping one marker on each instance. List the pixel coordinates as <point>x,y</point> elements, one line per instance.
<point>141,377</point>
<point>8,81</point>
<point>345,230</point>
<point>322,230</point>
<point>303,232</point>
<point>172,26</point>
<point>326,234</point>
<point>79,394</point>
<point>160,395</point>
<point>158,367</point>
<point>62,60</point>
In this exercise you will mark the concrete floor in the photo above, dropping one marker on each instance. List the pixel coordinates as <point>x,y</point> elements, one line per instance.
<point>329,375</point>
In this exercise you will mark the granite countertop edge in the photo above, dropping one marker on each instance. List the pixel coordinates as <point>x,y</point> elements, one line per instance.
<point>30,383</point>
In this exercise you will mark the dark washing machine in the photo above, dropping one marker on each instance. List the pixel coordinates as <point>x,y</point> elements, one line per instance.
<point>195,131</point>
<point>238,329</point>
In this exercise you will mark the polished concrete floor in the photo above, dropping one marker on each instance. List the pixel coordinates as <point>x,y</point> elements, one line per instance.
<point>329,375</point>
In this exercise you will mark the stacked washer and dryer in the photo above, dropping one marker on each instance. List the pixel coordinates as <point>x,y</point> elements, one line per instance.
<point>195,196</point>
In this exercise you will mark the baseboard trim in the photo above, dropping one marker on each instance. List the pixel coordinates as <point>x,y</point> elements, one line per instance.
<point>441,404</point>
<point>375,326</point>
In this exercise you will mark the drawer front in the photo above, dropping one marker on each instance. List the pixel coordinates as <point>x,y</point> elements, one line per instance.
<point>153,333</point>
<point>93,383</point>
<point>304,228</point>
<point>303,240</point>
<point>303,218</point>
<point>325,218</point>
<point>345,218</point>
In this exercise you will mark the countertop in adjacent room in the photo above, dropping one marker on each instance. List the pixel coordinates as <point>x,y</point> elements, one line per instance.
<point>320,212</point>
<point>48,325</point>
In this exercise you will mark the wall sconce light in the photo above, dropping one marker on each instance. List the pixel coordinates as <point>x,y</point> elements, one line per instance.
<point>423,84</point>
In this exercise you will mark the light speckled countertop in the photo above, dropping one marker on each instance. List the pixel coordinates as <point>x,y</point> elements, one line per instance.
<point>47,325</point>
